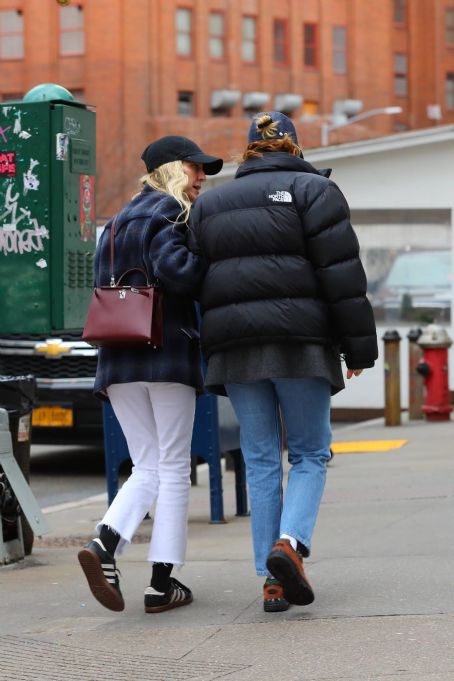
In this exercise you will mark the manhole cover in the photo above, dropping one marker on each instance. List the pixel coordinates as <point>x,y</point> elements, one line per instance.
<point>24,659</point>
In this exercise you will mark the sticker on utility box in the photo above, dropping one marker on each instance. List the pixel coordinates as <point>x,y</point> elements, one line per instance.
<point>82,157</point>
<point>62,147</point>
<point>23,429</point>
<point>87,207</point>
<point>7,164</point>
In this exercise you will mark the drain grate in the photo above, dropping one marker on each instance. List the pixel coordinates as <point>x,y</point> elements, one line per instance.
<point>25,659</point>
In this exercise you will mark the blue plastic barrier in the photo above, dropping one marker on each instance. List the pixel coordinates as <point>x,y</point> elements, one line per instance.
<point>207,440</point>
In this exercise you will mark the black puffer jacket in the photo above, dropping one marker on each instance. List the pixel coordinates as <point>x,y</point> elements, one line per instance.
<point>283,262</point>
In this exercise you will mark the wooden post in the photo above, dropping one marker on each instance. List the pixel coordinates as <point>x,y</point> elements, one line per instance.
<point>415,380</point>
<point>392,378</point>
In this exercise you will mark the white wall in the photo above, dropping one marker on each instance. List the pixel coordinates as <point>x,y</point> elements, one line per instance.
<point>368,390</point>
<point>420,176</point>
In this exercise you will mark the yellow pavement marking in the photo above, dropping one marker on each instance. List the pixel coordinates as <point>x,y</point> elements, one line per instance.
<point>367,446</point>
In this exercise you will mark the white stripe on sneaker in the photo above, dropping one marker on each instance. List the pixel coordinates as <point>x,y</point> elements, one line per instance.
<point>177,595</point>
<point>110,572</point>
<point>150,591</point>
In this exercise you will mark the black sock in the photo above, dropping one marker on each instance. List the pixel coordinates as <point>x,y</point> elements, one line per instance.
<point>301,548</point>
<point>109,538</point>
<point>160,576</point>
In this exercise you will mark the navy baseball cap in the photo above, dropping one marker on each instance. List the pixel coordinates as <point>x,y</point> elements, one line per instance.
<point>284,125</point>
<point>176,148</point>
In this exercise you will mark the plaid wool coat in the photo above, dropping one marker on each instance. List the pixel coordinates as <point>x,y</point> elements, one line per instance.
<point>147,233</point>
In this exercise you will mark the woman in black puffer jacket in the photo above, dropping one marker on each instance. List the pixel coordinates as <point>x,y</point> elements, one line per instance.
<point>283,299</point>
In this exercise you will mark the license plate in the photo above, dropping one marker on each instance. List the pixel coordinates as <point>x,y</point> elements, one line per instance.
<point>54,417</point>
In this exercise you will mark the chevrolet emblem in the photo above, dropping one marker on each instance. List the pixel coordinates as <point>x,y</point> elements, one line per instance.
<point>53,347</point>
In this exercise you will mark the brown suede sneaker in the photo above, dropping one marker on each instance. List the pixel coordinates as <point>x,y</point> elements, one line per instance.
<point>286,565</point>
<point>273,596</point>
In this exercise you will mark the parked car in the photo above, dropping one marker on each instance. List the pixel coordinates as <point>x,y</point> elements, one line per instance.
<point>417,288</point>
<point>64,368</point>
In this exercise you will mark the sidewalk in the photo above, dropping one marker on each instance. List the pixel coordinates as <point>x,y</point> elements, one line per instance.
<point>382,567</point>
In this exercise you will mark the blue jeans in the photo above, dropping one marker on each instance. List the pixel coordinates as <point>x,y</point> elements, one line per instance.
<point>305,407</point>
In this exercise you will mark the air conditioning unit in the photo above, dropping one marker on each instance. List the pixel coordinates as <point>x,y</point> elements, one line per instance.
<point>288,102</point>
<point>255,100</point>
<point>224,99</point>
<point>434,112</point>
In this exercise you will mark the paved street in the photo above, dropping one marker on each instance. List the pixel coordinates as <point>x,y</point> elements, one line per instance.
<point>382,569</point>
<point>64,473</point>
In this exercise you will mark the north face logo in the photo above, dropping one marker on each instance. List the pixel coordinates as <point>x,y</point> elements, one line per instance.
<point>281,196</point>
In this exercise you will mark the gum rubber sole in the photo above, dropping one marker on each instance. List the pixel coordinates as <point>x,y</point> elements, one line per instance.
<point>104,592</point>
<point>168,606</point>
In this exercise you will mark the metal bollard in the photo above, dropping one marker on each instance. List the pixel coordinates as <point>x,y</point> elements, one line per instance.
<point>392,378</point>
<point>415,381</point>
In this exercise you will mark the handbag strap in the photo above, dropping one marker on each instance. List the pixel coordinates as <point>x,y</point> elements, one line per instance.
<point>135,269</point>
<point>112,251</point>
<point>144,270</point>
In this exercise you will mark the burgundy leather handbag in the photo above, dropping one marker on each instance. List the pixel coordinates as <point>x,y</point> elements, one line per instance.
<point>124,315</point>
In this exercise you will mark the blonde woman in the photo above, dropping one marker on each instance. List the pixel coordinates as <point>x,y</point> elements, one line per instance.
<point>153,391</point>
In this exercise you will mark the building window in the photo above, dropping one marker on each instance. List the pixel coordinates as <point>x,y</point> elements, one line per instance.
<point>400,9</point>
<point>450,90</point>
<point>183,20</point>
<point>72,37</point>
<point>11,96</point>
<point>280,50</point>
<point>185,104</point>
<point>449,26</point>
<point>310,109</point>
<point>11,34</point>
<point>217,35</point>
<point>400,75</point>
<point>339,49</point>
<point>310,41</point>
<point>249,39</point>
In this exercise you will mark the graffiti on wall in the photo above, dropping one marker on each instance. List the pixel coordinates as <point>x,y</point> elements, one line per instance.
<point>31,181</point>
<point>25,240</point>
<point>17,127</point>
<point>72,126</point>
<point>20,231</point>
<point>17,130</point>
<point>7,164</point>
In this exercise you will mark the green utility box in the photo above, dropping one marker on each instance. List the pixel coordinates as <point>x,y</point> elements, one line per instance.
<point>47,211</point>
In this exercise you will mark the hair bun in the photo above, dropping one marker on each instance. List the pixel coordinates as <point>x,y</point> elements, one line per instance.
<point>264,121</point>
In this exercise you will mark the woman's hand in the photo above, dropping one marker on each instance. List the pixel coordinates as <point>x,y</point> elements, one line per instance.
<point>353,372</point>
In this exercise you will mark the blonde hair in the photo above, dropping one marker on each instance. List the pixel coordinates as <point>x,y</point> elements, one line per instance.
<point>270,141</point>
<point>266,126</point>
<point>171,179</point>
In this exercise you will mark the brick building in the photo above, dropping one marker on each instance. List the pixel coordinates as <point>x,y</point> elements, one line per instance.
<point>201,67</point>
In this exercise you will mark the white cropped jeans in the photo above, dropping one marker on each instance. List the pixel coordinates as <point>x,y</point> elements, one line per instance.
<point>157,421</point>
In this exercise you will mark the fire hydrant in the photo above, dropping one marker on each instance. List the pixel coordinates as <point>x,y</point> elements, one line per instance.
<point>433,366</point>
